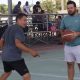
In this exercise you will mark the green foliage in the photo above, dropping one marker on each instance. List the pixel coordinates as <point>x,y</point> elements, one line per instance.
<point>48,6</point>
<point>65,4</point>
<point>3,8</point>
<point>58,5</point>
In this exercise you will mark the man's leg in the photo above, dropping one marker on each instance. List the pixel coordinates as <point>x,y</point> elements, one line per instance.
<point>27,76</point>
<point>22,69</point>
<point>5,75</point>
<point>70,59</point>
<point>71,71</point>
<point>79,67</point>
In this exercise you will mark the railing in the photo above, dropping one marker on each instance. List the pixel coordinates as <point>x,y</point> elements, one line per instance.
<point>33,34</point>
<point>6,19</point>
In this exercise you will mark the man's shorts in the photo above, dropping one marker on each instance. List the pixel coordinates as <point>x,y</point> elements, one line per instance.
<point>72,53</point>
<point>18,66</point>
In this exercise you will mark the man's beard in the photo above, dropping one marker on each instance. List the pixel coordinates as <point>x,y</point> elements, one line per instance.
<point>72,14</point>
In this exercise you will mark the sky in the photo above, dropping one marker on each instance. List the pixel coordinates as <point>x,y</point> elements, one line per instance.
<point>30,1</point>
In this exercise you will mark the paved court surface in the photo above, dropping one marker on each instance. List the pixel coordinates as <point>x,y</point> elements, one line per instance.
<point>50,66</point>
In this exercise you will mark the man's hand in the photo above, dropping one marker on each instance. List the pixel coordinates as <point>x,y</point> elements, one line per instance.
<point>76,34</point>
<point>69,36</point>
<point>24,48</point>
<point>35,53</point>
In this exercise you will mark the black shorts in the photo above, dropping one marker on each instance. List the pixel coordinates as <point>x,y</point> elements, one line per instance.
<point>19,66</point>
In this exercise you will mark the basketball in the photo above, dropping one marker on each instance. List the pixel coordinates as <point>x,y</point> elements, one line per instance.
<point>67,36</point>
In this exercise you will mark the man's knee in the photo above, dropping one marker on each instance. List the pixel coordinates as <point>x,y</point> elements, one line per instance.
<point>27,76</point>
<point>70,64</point>
<point>79,65</point>
<point>5,75</point>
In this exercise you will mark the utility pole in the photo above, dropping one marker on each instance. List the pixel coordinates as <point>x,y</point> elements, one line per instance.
<point>10,12</point>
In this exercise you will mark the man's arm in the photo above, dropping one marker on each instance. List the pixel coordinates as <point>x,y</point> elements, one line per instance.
<point>61,31</point>
<point>24,48</point>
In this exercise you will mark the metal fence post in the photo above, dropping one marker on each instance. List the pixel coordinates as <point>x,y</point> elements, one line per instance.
<point>9,12</point>
<point>47,21</point>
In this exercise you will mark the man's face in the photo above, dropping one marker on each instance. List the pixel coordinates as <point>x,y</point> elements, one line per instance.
<point>22,22</point>
<point>19,4</point>
<point>71,9</point>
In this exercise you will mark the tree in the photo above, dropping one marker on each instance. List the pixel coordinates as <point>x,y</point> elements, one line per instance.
<point>65,4</point>
<point>58,4</point>
<point>3,8</point>
<point>49,6</point>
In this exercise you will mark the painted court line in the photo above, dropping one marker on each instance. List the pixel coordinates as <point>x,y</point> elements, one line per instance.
<point>52,75</point>
<point>48,75</point>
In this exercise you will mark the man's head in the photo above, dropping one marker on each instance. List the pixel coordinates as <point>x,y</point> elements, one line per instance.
<point>21,19</point>
<point>37,3</point>
<point>71,7</point>
<point>26,3</point>
<point>19,3</point>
